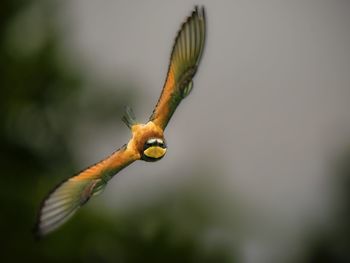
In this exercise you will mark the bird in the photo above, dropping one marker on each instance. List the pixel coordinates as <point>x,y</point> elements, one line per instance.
<point>147,140</point>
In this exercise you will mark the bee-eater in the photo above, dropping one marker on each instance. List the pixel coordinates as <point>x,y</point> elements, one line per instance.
<point>147,140</point>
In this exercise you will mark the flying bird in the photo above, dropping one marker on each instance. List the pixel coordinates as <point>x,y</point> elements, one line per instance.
<point>147,141</point>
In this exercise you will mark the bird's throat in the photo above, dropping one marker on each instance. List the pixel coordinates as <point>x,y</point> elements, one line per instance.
<point>155,152</point>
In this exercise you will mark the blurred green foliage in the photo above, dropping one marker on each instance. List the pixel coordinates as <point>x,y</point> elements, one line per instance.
<point>40,104</point>
<point>333,244</point>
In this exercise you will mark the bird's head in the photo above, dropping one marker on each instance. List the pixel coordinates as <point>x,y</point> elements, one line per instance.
<point>153,149</point>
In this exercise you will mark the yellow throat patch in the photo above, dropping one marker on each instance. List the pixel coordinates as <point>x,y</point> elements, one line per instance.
<point>155,152</point>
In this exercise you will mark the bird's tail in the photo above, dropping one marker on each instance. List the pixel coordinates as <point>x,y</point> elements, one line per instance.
<point>129,117</point>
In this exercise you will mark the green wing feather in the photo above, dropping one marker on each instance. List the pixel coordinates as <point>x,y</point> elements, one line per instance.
<point>185,57</point>
<point>74,192</point>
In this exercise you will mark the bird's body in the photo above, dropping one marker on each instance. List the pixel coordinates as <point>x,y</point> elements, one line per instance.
<point>141,133</point>
<point>147,140</point>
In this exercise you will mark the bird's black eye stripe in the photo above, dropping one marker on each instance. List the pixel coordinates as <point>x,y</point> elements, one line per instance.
<point>155,142</point>
<point>160,144</point>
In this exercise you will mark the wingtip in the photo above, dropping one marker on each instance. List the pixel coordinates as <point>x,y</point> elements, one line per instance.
<point>36,231</point>
<point>37,235</point>
<point>199,10</point>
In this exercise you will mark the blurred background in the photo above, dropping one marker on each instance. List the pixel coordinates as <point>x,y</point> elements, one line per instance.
<point>258,165</point>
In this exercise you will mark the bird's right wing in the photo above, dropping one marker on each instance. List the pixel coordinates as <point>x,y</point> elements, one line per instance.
<point>74,192</point>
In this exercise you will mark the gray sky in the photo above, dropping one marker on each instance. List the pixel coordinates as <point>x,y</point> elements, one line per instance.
<point>269,106</point>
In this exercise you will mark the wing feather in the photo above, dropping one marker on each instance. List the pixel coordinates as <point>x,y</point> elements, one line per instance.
<point>71,194</point>
<point>185,57</point>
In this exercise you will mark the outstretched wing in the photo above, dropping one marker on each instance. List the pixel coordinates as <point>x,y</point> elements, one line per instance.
<point>74,192</point>
<point>186,54</point>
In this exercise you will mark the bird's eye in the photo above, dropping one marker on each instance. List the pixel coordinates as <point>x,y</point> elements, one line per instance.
<point>155,142</point>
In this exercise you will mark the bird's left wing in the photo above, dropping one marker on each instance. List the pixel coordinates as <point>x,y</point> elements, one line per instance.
<point>184,61</point>
<point>74,192</point>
